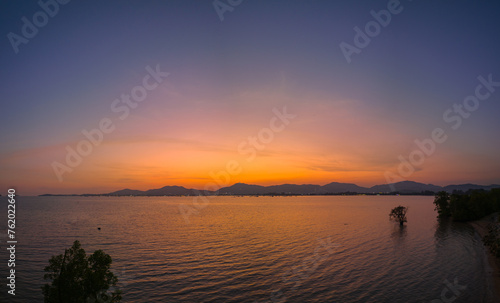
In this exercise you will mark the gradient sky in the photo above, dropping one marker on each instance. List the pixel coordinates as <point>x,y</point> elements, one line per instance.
<point>352,121</point>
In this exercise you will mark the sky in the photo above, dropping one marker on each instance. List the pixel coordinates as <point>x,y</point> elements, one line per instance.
<point>261,92</point>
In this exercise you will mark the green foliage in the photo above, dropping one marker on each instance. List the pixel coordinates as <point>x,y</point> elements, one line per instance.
<point>398,214</point>
<point>460,207</point>
<point>495,199</point>
<point>492,239</point>
<point>80,279</point>
<point>442,202</point>
<point>472,205</point>
<point>468,206</point>
<point>480,204</point>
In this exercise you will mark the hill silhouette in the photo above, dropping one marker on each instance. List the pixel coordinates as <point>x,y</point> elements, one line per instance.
<point>404,187</point>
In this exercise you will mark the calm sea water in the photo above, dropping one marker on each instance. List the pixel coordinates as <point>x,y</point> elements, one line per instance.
<point>255,249</point>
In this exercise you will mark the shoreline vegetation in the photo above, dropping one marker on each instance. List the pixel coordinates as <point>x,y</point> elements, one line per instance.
<point>480,209</point>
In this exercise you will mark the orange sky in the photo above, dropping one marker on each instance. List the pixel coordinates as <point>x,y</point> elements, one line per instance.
<point>207,87</point>
<point>327,140</point>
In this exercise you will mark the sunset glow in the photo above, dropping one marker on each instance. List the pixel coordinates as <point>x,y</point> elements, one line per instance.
<point>226,80</point>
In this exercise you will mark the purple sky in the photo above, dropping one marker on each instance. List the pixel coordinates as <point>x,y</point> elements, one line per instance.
<point>353,120</point>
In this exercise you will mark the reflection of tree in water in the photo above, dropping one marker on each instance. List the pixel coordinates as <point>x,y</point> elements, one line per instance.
<point>399,233</point>
<point>446,229</point>
<point>442,230</point>
<point>454,239</point>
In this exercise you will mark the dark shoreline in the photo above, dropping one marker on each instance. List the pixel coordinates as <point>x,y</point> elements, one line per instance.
<point>481,227</point>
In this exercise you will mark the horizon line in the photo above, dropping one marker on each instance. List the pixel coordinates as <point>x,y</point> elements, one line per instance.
<point>225,186</point>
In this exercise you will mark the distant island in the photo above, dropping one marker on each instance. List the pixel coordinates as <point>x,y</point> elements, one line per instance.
<point>334,188</point>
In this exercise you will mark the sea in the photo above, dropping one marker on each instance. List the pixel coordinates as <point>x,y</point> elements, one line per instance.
<point>253,249</point>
